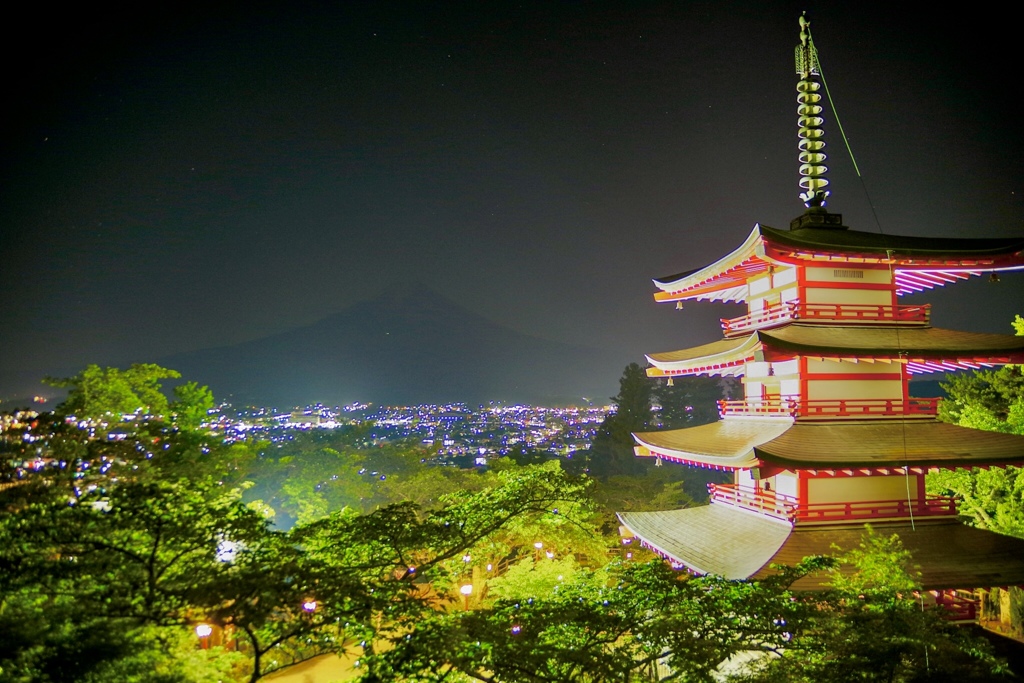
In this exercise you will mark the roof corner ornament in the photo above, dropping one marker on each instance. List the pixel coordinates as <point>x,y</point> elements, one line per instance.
<point>812,155</point>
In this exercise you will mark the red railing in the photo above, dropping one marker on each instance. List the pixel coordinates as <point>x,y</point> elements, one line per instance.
<point>768,503</point>
<point>955,605</point>
<point>855,313</point>
<point>789,508</point>
<point>839,407</point>
<point>932,506</point>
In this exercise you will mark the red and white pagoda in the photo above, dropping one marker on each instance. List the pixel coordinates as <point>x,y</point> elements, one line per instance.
<point>827,437</point>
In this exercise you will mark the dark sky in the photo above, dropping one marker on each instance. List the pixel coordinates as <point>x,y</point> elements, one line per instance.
<point>204,176</point>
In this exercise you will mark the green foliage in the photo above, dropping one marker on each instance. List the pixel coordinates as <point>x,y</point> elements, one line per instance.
<point>100,392</point>
<point>612,450</point>
<point>691,401</point>
<point>658,488</point>
<point>114,555</point>
<point>871,626</point>
<point>878,567</point>
<point>633,405</point>
<point>315,474</point>
<point>589,630</point>
<point>992,499</point>
<point>529,578</point>
<point>992,400</point>
<point>89,576</point>
<point>192,405</point>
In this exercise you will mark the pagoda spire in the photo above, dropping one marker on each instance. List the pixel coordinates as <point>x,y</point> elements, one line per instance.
<point>812,155</point>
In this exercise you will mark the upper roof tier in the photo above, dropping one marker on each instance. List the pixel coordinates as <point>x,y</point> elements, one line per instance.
<point>918,262</point>
<point>923,349</point>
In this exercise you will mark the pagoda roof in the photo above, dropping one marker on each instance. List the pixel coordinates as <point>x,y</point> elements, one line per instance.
<point>947,553</point>
<point>919,262</point>
<point>880,443</point>
<point>711,539</point>
<point>737,443</point>
<point>907,251</point>
<point>924,349</point>
<point>739,544</point>
<point>726,444</point>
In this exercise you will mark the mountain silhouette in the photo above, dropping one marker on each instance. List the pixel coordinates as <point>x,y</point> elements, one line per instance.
<point>406,347</point>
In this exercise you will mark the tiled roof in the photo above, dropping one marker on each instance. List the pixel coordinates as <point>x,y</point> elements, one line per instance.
<point>840,444</point>
<point>829,239</point>
<point>711,539</point>
<point>948,554</point>
<point>737,544</point>
<point>726,443</point>
<point>892,443</point>
<point>918,346</point>
<point>911,341</point>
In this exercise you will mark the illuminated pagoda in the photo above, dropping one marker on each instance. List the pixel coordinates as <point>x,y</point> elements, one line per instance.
<point>827,437</point>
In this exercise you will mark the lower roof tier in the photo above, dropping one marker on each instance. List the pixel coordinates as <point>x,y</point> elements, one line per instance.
<point>923,349</point>
<point>736,544</point>
<point>738,443</point>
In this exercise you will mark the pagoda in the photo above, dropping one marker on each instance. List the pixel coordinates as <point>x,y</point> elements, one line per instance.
<point>827,437</point>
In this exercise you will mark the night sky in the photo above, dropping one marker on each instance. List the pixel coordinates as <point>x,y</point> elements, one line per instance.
<point>203,176</point>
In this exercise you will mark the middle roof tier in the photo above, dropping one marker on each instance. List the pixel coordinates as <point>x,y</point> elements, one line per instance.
<point>922,349</point>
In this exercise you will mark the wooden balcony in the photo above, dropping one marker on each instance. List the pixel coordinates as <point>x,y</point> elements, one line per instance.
<point>830,408</point>
<point>767,503</point>
<point>826,313</point>
<point>790,509</point>
<point>956,606</point>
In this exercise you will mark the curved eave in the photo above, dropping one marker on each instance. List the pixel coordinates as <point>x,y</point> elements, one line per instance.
<point>723,280</point>
<point>723,357</point>
<point>918,345</point>
<point>726,444</point>
<point>919,263</point>
<point>899,250</point>
<point>710,539</point>
<point>921,349</point>
<point>912,280</point>
<point>947,553</point>
<point>875,444</point>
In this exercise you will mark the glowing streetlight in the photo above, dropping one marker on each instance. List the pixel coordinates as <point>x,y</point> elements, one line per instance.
<point>204,631</point>
<point>309,605</point>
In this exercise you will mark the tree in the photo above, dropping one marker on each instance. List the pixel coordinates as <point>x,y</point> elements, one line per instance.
<point>612,450</point>
<point>691,401</point>
<point>98,572</point>
<point>91,577</point>
<point>992,400</point>
<point>595,631</point>
<point>869,626</point>
<point>644,622</point>
<point>633,405</point>
<point>192,405</point>
<point>370,573</point>
<point>100,392</point>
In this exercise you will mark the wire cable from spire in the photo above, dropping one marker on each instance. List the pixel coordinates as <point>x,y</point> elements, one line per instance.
<point>805,28</point>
